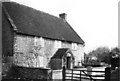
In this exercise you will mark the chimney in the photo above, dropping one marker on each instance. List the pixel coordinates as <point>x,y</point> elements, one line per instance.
<point>63,16</point>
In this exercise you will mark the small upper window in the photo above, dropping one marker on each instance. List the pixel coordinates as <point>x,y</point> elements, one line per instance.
<point>42,42</point>
<point>39,41</point>
<point>74,46</point>
<point>58,44</point>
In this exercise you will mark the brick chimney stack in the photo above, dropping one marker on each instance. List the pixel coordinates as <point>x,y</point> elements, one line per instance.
<point>63,16</point>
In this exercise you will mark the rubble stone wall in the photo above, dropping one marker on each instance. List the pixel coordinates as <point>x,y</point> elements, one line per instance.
<point>32,51</point>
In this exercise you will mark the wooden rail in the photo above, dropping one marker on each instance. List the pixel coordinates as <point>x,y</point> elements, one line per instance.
<point>74,74</point>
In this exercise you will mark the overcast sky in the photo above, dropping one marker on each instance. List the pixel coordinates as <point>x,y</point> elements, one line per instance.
<point>95,21</point>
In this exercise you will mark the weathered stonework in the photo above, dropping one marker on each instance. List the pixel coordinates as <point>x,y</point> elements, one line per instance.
<point>31,51</point>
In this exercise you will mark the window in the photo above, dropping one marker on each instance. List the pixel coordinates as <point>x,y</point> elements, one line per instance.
<point>42,42</point>
<point>74,46</point>
<point>35,41</point>
<point>39,41</point>
<point>40,61</point>
<point>58,44</point>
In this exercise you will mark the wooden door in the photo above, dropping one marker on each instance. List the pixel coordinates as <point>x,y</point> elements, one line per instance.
<point>68,65</point>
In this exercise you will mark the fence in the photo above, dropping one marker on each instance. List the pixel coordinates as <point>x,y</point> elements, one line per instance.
<point>80,75</point>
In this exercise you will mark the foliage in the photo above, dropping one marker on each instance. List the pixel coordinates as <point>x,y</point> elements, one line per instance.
<point>115,51</point>
<point>103,54</point>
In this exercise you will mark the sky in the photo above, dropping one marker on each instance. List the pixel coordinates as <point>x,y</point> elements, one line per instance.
<point>95,21</point>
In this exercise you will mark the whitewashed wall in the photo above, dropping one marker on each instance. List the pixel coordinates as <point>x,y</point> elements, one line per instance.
<point>36,51</point>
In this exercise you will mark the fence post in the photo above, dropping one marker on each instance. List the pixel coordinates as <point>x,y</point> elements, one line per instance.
<point>72,75</point>
<point>89,70</point>
<point>63,74</point>
<point>80,75</point>
<point>107,73</point>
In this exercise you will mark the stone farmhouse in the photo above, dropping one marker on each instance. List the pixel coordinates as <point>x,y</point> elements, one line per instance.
<point>32,38</point>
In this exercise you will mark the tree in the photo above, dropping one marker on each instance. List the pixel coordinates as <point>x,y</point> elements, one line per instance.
<point>102,54</point>
<point>115,55</point>
<point>115,51</point>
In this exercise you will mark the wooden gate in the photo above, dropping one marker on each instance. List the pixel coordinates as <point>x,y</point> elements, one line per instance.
<point>84,75</point>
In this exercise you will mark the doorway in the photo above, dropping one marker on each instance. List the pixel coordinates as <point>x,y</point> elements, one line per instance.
<point>68,65</point>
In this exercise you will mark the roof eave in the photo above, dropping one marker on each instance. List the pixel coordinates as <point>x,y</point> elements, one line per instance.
<point>9,18</point>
